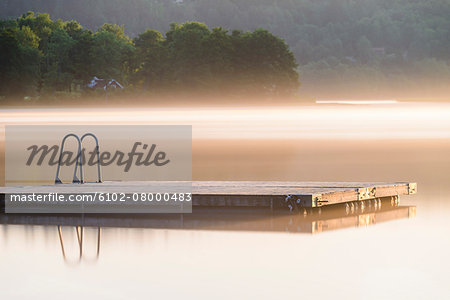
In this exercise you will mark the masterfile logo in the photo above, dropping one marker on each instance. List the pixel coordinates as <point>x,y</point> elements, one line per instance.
<point>36,155</point>
<point>140,154</point>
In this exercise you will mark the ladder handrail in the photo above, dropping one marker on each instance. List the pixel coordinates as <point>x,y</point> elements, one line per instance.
<point>97,149</point>
<point>78,160</point>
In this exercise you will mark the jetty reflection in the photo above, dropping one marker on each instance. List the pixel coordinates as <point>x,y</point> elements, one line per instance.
<point>80,235</point>
<point>312,220</point>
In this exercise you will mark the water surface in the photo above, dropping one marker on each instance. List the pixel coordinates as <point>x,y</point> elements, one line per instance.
<point>401,258</point>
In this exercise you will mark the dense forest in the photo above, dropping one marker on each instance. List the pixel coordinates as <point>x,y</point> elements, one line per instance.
<point>39,56</point>
<point>374,47</point>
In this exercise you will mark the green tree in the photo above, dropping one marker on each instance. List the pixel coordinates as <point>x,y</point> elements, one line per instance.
<point>150,59</point>
<point>118,31</point>
<point>10,61</point>
<point>81,61</point>
<point>27,37</point>
<point>218,54</point>
<point>58,75</point>
<point>111,54</point>
<point>266,62</point>
<point>185,46</point>
<point>18,65</point>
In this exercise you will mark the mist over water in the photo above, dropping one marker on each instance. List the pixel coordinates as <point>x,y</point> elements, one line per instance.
<point>404,258</point>
<point>318,121</point>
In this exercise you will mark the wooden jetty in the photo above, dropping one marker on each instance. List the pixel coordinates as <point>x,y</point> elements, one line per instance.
<point>295,194</point>
<point>273,194</point>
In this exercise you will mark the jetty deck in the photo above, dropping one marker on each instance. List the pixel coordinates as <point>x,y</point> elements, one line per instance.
<point>247,193</point>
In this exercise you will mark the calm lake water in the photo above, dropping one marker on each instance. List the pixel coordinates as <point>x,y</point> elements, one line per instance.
<point>376,255</point>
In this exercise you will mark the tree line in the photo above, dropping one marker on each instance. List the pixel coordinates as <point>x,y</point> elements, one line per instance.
<point>314,29</point>
<point>340,45</point>
<point>39,56</point>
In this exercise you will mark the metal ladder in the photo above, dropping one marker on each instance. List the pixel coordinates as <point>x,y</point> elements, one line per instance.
<point>79,159</point>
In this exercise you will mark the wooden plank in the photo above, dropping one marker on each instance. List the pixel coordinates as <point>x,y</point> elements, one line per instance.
<point>245,193</point>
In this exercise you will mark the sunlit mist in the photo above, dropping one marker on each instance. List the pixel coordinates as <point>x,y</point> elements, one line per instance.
<point>390,121</point>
